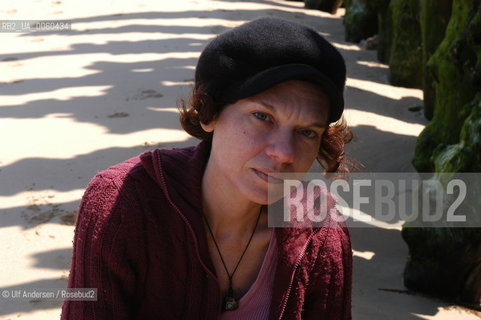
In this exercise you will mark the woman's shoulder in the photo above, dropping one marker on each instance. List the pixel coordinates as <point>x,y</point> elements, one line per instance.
<point>126,184</point>
<point>111,188</point>
<point>126,176</point>
<point>117,174</point>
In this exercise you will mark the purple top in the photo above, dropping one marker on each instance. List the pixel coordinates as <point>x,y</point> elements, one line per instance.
<point>255,304</point>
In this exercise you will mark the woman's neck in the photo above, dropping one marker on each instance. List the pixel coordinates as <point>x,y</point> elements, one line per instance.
<point>229,213</point>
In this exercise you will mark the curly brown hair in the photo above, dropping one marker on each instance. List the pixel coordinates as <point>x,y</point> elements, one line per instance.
<point>201,108</point>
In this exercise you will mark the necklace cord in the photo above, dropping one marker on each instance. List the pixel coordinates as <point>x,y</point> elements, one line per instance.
<point>230,276</point>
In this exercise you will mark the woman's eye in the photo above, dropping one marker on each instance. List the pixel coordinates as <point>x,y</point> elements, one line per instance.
<point>261,116</point>
<point>308,133</point>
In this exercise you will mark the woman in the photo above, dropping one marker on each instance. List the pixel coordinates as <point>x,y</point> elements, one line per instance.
<point>182,233</point>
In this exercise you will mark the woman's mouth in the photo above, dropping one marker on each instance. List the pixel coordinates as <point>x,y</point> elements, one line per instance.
<point>266,177</point>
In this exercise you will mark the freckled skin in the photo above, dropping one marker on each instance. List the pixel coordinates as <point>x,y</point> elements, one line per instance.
<point>249,136</point>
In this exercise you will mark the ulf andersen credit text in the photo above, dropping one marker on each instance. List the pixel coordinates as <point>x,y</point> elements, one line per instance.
<point>52,294</point>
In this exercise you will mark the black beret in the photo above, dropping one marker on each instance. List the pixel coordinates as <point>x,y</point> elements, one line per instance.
<point>257,55</point>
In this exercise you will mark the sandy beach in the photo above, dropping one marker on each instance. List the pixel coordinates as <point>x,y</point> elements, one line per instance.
<point>73,103</point>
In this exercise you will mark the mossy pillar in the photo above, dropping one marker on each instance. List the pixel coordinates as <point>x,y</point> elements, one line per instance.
<point>384,23</point>
<point>360,21</point>
<point>447,261</point>
<point>405,60</point>
<point>435,16</point>
<point>452,66</point>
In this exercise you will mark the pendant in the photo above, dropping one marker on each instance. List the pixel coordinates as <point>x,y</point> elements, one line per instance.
<point>230,304</point>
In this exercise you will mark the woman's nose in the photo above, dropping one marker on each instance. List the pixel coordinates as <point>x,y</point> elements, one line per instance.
<point>281,147</point>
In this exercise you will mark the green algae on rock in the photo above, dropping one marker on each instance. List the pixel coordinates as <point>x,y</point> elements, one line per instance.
<point>435,16</point>
<point>446,262</point>
<point>405,61</point>
<point>464,156</point>
<point>455,69</point>
<point>384,21</point>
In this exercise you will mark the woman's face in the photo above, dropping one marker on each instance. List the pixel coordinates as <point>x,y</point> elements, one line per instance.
<point>276,131</point>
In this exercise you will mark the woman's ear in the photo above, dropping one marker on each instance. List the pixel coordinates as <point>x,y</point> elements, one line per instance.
<point>208,127</point>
